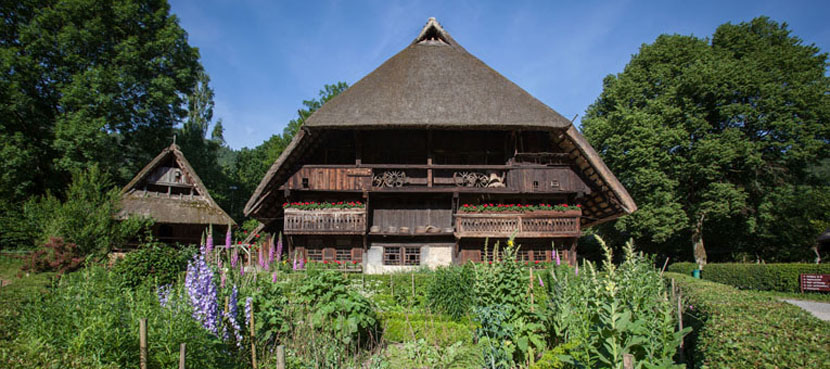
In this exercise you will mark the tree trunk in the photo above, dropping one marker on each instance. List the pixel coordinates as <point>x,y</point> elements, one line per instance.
<point>697,242</point>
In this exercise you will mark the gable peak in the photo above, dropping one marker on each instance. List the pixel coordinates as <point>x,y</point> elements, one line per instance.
<point>433,34</point>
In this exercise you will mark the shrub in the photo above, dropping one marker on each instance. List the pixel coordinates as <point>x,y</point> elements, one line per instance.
<point>760,277</point>
<point>434,329</point>
<point>450,290</point>
<point>153,262</point>
<point>743,329</point>
<point>682,267</point>
<point>55,255</point>
<point>86,217</point>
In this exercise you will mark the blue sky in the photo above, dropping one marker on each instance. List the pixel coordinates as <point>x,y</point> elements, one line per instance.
<point>266,57</point>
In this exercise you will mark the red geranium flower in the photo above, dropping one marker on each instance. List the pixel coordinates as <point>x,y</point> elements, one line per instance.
<point>325,261</point>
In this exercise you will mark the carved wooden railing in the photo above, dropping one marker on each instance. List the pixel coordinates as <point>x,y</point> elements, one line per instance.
<point>325,221</point>
<point>530,225</point>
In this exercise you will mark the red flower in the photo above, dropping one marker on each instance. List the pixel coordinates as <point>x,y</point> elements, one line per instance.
<point>244,232</point>
<point>257,236</point>
<point>239,243</point>
<point>578,205</point>
<point>489,262</point>
<point>536,262</point>
<point>337,261</point>
<point>325,261</point>
<point>354,261</point>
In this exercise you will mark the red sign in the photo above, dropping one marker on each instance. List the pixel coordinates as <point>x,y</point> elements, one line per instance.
<point>815,282</point>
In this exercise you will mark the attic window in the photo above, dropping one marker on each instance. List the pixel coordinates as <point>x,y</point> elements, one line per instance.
<point>433,36</point>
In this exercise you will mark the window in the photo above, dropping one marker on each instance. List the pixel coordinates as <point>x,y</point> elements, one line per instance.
<point>315,254</point>
<point>523,255</point>
<point>343,255</point>
<point>401,255</point>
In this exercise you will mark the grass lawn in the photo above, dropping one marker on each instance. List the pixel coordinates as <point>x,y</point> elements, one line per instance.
<point>17,286</point>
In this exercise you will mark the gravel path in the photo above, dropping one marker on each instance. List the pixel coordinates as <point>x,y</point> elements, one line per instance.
<point>820,310</point>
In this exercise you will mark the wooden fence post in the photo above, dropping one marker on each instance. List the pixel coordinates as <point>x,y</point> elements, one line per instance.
<point>253,345</point>
<point>628,361</point>
<point>142,343</point>
<point>280,357</point>
<point>413,284</point>
<point>181,356</point>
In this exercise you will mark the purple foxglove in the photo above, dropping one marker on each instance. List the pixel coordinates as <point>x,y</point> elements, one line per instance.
<point>576,271</point>
<point>274,277</point>
<point>209,245</point>
<point>279,248</point>
<point>221,278</point>
<point>234,258</point>
<point>302,263</point>
<point>295,263</point>
<point>271,251</point>
<point>541,284</point>
<point>203,293</point>
<point>228,237</point>
<point>241,270</point>
<point>557,257</point>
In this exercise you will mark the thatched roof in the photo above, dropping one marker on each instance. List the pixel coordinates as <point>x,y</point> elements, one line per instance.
<point>194,207</point>
<point>435,83</point>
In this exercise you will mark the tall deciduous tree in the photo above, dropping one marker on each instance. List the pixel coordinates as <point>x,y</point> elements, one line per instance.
<point>87,81</point>
<point>718,140</point>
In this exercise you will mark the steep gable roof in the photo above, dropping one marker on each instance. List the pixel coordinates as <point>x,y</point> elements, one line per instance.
<point>435,83</point>
<point>191,205</point>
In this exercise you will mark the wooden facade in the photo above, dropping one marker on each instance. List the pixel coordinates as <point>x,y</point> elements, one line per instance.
<point>430,130</point>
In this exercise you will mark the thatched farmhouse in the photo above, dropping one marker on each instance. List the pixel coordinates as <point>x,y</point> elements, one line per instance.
<point>426,157</point>
<point>169,191</point>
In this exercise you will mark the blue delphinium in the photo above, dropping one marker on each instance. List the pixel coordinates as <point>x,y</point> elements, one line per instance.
<point>232,314</point>
<point>164,293</point>
<point>203,293</point>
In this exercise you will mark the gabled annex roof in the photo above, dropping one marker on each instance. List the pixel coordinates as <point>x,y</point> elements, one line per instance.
<point>435,83</point>
<point>169,191</point>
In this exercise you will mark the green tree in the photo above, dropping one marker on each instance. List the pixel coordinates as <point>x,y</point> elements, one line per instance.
<point>715,137</point>
<point>85,82</point>
<point>251,164</point>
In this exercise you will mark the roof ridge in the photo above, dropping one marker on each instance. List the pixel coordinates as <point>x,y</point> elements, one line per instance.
<point>434,33</point>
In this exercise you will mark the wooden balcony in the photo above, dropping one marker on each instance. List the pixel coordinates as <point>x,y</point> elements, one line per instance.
<point>327,221</point>
<point>538,224</point>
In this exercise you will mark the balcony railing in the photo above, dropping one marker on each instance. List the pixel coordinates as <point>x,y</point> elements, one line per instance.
<point>529,225</point>
<point>326,221</point>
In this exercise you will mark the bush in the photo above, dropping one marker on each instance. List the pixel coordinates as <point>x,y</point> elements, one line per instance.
<point>55,255</point>
<point>760,277</point>
<point>434,329</point>
<point>86,217</point>
<point>742,329</point>
<point>684,268</point>
<point>450,290</point>
<point>153,262</point>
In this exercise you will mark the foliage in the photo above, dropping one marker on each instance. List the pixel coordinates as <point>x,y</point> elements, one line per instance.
<point>761,277</point>
<point>88,82</point>
<point>55,255</point>
<point>89,320</point>
<point>557,357</point>
<point>719,138</point>
<point>271,318</point>
<point>153,262</point>
<point>742,329</point>
<point>684,268</point>
<point>338,310</point>
<point>435,329</point>
<point>623,310</point>
<point>510,331</point>
<point>86,217</point>
<point>421,354</point>
<point>324,205</point>
<point>497,208</point>
<point>450,290</point>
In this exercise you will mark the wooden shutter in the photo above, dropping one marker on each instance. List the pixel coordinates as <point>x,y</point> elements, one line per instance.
<point>357,254</point>
<point>470,256</point>
<point>329,254</point>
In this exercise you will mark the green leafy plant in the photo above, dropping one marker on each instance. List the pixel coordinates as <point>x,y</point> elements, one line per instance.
<point>337,309</point>
<point>153,262</point>
<point>450,290</point>
<point>761,277</point>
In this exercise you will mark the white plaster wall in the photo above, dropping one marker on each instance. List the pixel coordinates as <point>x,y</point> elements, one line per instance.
<point>431,256</point>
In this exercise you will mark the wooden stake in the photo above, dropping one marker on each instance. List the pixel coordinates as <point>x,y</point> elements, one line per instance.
<point>181,356</point>
<point>280,357</point>
<point>680,316</point>
<point>142,342</point>
<point>253,346</point>
<point>413,284</point>
<point>664,267</point>
<point>628,361</point>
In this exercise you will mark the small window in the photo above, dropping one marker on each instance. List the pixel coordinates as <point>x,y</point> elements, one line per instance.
<point>315,254</point>
<point>401,255</point>
<point>305,182</point>
<point>523,255</point>
<point>343,255</point>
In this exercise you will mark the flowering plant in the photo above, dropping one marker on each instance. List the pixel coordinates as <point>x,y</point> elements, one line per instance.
<point>522,208</point>
<point>313,205</point>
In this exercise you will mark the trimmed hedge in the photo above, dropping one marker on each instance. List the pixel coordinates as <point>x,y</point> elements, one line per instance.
<point>743,329</point>
<point>435,329</point>
<point>760,277</point>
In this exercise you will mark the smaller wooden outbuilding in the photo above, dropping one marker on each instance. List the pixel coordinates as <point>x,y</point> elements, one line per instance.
<point>169,191</point>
